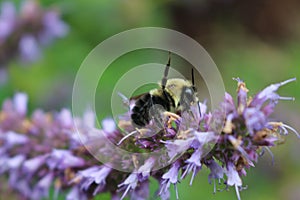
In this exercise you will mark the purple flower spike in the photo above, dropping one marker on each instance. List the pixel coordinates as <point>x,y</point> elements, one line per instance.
<point>43,150</point>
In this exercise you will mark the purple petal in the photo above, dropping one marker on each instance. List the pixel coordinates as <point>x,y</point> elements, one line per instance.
<point>65,118</point>
<point>233,177</point>
<point>141,192</point>
<point>216,171</point>
<point>101,175</point>
<point>31,165</point>
<point>20,103</point>
<point>109,125</point>
<point>15,162</point>
<point>130,183</point>
<point>177,147</point>
<point>255,119</point>
<point>11,139</point>
<point>76,194</point>
<point>172,174</point>
<point>268,93</point>
<point>146,168</point>
<point>63,159</point>
<point>205,137</point>
<point>29,48</point>
<point>42,187</point>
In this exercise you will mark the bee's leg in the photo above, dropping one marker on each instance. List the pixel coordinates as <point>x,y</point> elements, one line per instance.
<point>172,117</point>
<point>155,112</point>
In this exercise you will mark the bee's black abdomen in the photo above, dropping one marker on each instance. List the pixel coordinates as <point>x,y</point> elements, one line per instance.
<point>141,111</point>
<point>140,114</point>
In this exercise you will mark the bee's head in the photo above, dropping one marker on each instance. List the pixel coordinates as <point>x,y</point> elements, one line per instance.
<point>175,87</point>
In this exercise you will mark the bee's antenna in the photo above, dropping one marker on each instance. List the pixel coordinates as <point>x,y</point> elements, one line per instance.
<point>193,79</point>
<point>165,78</point>
<point>194,88</point>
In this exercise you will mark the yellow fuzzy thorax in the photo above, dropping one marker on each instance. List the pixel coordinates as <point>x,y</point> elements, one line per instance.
<point>174,87</point>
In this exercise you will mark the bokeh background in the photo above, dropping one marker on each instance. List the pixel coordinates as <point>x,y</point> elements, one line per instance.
<point>258,41</point>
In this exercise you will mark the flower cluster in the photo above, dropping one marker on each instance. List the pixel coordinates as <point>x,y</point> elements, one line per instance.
<point>22,34</point>
<point>55,150</point>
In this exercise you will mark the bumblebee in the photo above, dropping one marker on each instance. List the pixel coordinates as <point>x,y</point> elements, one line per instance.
<point>174,95</point>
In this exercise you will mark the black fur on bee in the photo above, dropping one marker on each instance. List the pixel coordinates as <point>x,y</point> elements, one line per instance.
<point>141,111</point>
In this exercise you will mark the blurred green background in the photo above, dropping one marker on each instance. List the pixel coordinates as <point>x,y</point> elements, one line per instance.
<point>258,41</point>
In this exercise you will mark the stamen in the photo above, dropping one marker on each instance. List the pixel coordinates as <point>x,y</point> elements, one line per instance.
<point>262,152</point>
<point>215,190</point>
<point>237,192</point>
<point>291,128</point>
<point>287,98</point>
<point>271,154</point>
<point>287,81</point>
<point>193,176</point>
<point>126,136</point>
<point>185,171</point>
<point>125,193</point>
<point>176,191</point>
<point>236,144</point>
